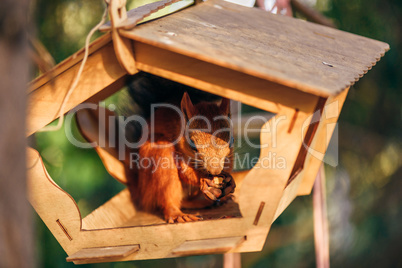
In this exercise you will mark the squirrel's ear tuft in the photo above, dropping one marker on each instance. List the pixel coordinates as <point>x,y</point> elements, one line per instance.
<point>224,108</point>
<point>187,106</point>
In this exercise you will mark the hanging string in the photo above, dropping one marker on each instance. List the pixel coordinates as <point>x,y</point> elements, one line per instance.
<point>77,77</point>
<point>154,8</point>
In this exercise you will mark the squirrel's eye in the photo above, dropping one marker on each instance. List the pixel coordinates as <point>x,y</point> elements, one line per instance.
<point>192,145</point>
<point>231,142</point>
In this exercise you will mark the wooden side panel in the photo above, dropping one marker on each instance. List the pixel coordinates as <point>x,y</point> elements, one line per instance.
<point>289,194</point>
<point>310,133</point>
<point>69,62</point>
<point>101,72</point>
<point>263,192</point>
<point>56,208</point>
<point>228,83</point>
<point>319,145</point>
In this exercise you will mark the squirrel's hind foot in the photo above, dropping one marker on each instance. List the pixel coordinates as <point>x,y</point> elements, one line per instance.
<point>181,217</point>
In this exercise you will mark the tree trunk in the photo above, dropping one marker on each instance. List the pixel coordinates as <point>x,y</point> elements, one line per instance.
<point>16,247</point>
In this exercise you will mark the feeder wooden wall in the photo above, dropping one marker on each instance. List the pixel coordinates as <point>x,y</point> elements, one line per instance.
<point>279,64</point>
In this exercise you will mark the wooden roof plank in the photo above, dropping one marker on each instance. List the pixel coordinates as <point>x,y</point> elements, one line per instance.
<point>281,49</point>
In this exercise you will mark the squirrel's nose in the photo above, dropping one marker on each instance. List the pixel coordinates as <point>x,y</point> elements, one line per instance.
<point>214,171</point>
<point>214,165</point>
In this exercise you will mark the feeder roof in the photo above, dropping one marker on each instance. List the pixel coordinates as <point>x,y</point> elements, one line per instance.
<point>312,58</point>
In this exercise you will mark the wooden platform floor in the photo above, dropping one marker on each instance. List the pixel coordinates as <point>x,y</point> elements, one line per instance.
<point>120,211</point>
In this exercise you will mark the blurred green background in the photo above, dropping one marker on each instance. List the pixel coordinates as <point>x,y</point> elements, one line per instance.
<point>364,190</point>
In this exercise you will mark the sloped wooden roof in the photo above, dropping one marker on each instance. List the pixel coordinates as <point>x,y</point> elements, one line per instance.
<point>292,52</point>
<point>241,53</point>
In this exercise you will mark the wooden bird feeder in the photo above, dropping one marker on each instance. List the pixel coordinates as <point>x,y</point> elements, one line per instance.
<point>279,64</point>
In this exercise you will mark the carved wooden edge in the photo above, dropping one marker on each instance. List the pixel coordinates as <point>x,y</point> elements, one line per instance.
<point>101,254</point>
<point>320,142</point>
<point>288,147</point>
<point>56,207</point>
<point>302,182</point>
<point>60,213</point>
<point>102,72</point>
<point>69,62</point>
<point>208,246</point>
<point>310,134</point>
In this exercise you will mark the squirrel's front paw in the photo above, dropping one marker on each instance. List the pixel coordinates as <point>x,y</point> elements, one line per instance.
<point>218,187</point>
<point>229,185</point>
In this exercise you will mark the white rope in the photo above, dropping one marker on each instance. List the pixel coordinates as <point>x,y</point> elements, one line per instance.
<point>77,77</point>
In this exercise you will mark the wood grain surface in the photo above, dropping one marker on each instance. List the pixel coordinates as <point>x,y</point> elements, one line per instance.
<point>103,253</point>
<point>309,57</point>
<point>207,246</point>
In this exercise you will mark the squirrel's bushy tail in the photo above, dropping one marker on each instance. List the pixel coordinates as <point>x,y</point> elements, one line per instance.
<point>144,89</point>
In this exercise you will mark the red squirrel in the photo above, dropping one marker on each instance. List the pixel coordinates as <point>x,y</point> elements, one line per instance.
<point>183,174</point>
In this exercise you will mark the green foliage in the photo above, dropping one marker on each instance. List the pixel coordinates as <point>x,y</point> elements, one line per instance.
<point>63,24</point>
<point>376,104</point>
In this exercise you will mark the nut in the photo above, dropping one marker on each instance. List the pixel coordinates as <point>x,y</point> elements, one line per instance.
<point>218,180</point>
